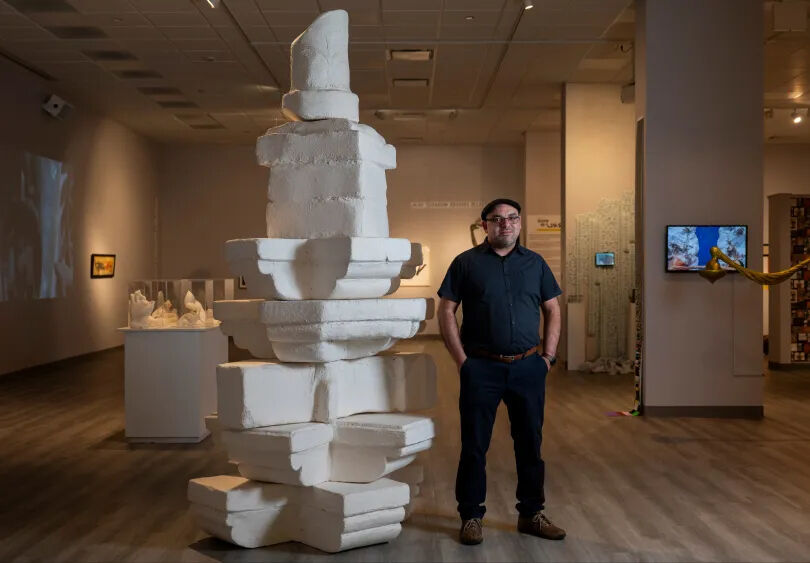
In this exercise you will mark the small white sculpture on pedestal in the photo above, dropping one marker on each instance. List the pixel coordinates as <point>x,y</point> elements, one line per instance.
<point>195,318</point>
<point>164,314</point>
<point>140,309</point>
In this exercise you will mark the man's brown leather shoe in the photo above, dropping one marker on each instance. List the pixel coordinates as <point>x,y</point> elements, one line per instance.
<point>472,532</point>
<point>540,526</point>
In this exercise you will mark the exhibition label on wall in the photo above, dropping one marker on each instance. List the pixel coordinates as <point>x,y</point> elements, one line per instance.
<point>543,234</point>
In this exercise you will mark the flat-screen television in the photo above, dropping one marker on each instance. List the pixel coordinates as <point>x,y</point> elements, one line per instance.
<point>688,245</point>
<point>605,259</point>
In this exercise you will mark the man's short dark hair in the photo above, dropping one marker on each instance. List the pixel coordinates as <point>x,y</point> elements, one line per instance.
<point>496,202</point>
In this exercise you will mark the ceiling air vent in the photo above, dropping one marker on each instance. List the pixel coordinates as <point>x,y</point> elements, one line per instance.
<point>413,55</point>
<point>77,32</point>
<point>411,82</point>
<point>137,74</point>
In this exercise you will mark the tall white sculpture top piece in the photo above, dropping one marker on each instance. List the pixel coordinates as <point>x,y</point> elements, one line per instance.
<point>319,72</point>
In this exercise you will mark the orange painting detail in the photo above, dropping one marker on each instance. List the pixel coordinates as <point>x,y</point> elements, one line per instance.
<point>102,265</point>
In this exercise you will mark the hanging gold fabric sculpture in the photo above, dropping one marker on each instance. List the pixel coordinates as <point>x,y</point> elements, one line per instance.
<point>713,271</point>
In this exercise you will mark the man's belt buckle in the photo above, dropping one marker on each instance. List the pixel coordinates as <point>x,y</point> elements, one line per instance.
<point>509,359</point>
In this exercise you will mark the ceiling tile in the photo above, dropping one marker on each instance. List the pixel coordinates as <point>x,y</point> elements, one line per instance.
<point>479,17</point>
<point>361,33</point>
<point>117,7</point>
<point>466,32</point>
<point>298,19</point>
<point>407,5</point>
<point>184,19</point>
<point>289,5</point>
<point>366,57</point>
<point>200,44</point>
<point>462,5</point>
<point>411,18</point>
<point>10,34</point>
<point>190,33</point>
<point>162,6</point>
<point>368,82</point>
<point>13,20</point>
<point>139,32</point>
<point>259,33</point>
<point>410,33</point>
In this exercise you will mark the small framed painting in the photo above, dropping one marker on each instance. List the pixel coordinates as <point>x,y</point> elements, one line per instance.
<point>102,265</point>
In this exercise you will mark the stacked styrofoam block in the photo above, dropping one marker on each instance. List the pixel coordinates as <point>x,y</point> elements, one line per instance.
<point>319,429</point>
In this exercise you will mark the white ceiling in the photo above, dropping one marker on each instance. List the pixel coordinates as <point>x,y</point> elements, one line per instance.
<point>178,70</point>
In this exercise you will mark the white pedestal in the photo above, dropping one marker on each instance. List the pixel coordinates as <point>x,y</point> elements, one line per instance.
<point>170,382</point>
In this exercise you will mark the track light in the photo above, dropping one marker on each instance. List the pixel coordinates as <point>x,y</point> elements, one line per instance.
<point>528,4</point>
<point>796,116</point>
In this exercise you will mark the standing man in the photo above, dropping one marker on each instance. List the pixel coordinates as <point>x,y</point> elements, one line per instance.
<point>503,287</point>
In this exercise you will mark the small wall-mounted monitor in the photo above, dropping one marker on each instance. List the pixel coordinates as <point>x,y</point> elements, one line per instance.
<point>688,245</point>
<point>605,259</point>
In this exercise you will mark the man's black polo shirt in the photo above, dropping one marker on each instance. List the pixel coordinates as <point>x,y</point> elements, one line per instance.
<point>501,297</point>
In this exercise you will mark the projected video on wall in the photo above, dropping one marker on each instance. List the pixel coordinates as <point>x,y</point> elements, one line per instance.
<point>36,246</point>
<point>688,246</point>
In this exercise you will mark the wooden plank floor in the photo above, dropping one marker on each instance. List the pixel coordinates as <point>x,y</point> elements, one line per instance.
<point>626,489</point>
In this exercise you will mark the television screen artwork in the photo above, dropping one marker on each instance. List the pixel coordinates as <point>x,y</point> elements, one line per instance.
<point>688,245</point>
<point>605,259</point>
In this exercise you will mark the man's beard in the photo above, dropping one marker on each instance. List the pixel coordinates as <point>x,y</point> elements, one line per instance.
<point>503,241</point>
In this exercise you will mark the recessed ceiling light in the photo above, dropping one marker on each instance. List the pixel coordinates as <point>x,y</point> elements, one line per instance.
<point>469,18</point>
<point>213,3</point>
<point>410,54</point>
<point>528,4</point>
<point>796,116</point>
<point>411,82</point>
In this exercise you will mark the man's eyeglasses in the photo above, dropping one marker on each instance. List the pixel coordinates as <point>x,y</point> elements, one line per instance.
<point>497,219</point>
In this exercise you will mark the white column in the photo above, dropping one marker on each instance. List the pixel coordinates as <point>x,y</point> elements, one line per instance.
<point>699,76</point>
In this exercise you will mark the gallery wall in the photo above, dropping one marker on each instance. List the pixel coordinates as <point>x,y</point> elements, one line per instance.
<point>211,193</point>
<point>454,175</point>
<point>599,170</point>
<point>208,194</point>
<point>104,203</point>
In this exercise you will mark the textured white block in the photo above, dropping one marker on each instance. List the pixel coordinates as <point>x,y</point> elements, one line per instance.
<point>308,105</point>
<point>306,468</point>
<point>369,446</point>
<point>362,449</point>
<point>383,429</point>
<point>333,217</point>
<point>319,71</point>
<point>231,493</point>
<point>322,330</point>
<point>330,268</point>
<point>319,57</point>
<point>302,183</point>
<point>254,394</point>
<point>295,454</point>
<point>329,516</point>
<point>326,143</point>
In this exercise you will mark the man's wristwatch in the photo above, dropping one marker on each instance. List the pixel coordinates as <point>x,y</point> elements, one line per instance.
<point>551,359</point>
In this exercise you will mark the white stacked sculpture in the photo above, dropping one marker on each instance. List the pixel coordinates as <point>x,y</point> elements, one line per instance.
<point>319,435</point>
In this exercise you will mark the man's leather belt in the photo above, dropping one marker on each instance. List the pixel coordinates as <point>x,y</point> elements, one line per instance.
<point>504,358</point>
